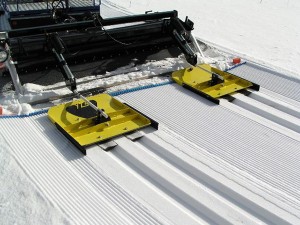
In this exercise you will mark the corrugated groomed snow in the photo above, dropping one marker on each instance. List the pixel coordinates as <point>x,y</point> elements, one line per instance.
<point>233,163</point>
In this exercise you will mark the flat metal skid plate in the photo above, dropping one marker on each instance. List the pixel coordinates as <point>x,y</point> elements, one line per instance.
<point>106,146</point>
<point>77,122</point>
<point>199,80</point>
<point>134,136</point>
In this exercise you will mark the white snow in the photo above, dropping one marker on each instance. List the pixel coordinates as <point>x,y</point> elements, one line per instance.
<point>21,202</point>
<point>266,31</point>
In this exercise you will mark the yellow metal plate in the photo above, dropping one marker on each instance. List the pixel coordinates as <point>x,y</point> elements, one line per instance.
<point>192,76</point>
<point>199,80</point>
<point>78,122</point>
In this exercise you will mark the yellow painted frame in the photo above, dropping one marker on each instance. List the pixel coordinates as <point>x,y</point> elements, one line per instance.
<point>199,80</point>
<point>83,131</point>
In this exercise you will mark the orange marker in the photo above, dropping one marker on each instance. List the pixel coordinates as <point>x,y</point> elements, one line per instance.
<point>236,60</point>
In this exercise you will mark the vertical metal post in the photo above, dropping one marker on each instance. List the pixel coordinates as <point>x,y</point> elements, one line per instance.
<point>9,64</point>
<point>67,4</point>
<point>14,75</point>
<point>99,6</point>
<point>195,43</point>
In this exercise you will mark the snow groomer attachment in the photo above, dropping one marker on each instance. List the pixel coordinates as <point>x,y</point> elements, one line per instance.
<point>211,83</point>
<point>93,38</point>
<point>43,43</point>
<point>204,80</point>
<point>83,125</point>
<point>94,119</point>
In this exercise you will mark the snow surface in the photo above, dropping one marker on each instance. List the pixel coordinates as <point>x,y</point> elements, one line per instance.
<point>266,31</point>
<point>261,30</point>
<point>21,202</point>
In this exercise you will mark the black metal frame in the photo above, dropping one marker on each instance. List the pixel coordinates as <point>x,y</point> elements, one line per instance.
<point>81,25</point>
<point>90,40</point>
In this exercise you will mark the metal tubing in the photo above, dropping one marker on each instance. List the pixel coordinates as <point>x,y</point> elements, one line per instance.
<point>91,104</point>
<point>195,43</point>
<point>91,23</point>
<point>214,75</point>
<point>14,75</point>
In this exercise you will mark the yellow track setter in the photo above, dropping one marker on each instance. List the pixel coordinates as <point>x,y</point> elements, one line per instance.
<point>95,119</point>
<point>79,122</point>
<point>211,83</point>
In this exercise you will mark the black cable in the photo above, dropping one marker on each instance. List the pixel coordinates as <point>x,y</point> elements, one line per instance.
<point>111,37</point>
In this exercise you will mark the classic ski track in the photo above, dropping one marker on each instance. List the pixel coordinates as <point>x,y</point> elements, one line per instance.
<point>276,101</point>
<point>191,194</point>
<point>88,170</point>
<point>68,185</point>
<point>229,171</point>
<point>191,135</point>
<point>271,113</point>
<point>265,108</point>
<point>177,176</point>
<point>69,180</point>
<point>271,80</point>
<point>147,190</point>
<point>265,105</point>
<point>32,168</point>
<point>224,193</point>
